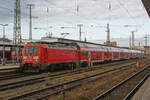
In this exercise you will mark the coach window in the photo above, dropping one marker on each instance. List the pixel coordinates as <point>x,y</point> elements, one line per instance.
<point>92,58</point>
<point>105,53</point>
<point>82,53</point>
<point>110,54</point>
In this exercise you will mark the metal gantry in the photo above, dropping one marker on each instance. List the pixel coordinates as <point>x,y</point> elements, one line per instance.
<point>17,30</point>
<point>146,39</point>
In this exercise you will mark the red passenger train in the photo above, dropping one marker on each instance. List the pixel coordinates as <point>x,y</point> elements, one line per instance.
<point>49,56</point>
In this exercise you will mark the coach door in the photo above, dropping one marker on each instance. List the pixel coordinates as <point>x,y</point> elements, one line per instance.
<point>78,57</point>
<point>89,59</point>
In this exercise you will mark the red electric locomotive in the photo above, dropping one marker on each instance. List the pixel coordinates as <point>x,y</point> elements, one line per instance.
<point>43,56</point>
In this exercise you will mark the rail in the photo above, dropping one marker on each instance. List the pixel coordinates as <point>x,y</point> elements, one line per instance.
<point>57,87</point>
<point>109,93</point>
<point>132,93</point>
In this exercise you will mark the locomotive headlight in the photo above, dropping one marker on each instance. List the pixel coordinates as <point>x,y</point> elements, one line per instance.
<point>36,58</point>
<point>25,58</point>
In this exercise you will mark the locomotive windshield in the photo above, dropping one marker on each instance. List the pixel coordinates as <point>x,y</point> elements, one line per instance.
<point>31,50</point>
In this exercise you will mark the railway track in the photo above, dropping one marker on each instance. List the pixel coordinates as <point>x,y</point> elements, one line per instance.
<point>41,78</point>
<point>14,74</point>
<point>6,70</point>
<point>126,89</point>
<point>12,86</point>
<point>132,93</point>
<point>6,77</point>
<point>57,88</point>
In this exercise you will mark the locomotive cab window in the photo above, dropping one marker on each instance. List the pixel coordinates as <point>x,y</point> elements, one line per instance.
<point>31,50</point>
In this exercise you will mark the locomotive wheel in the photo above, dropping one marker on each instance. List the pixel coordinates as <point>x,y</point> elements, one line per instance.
<point>74,66</point>
<point>37,70</point>
<point>52,68</point>
<point>20,70</point>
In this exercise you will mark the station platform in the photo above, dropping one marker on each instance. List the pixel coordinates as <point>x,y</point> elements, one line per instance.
<point>144,92</point>
<point>8,66</point>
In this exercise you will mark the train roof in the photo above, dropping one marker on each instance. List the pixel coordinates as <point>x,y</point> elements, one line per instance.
<point>56,44</point>
<point>80,43</point>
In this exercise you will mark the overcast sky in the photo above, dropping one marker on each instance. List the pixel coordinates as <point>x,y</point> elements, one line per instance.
<point>53,14</point>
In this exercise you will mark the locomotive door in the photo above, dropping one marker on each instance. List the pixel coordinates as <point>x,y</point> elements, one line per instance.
<point>44,54</point>
<point>89,58</point>
<point>78,63</point>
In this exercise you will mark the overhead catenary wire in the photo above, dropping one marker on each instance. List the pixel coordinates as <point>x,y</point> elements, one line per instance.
<point>127,11</point>
<point>79,9</point>
<point>130,15</point>
<point>1,7</point>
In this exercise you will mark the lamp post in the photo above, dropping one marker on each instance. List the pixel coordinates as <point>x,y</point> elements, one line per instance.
<point>3,25</point>
<point>48,34</point>
<point>64,34</point>
<point>132,38</point>
<point>30,6</point>
<point>80,30</point>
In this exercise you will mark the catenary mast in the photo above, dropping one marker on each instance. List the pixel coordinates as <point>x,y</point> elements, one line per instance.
<point>17,30</point>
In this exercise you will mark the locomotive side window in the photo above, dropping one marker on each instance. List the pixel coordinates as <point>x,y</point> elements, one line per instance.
<point>84,53</point>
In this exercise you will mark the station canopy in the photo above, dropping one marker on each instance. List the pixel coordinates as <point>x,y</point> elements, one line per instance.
<point>147,6</point>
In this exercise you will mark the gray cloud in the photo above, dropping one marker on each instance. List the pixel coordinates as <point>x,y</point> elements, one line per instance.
<point>64,13</point>
<point>88,9</point>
